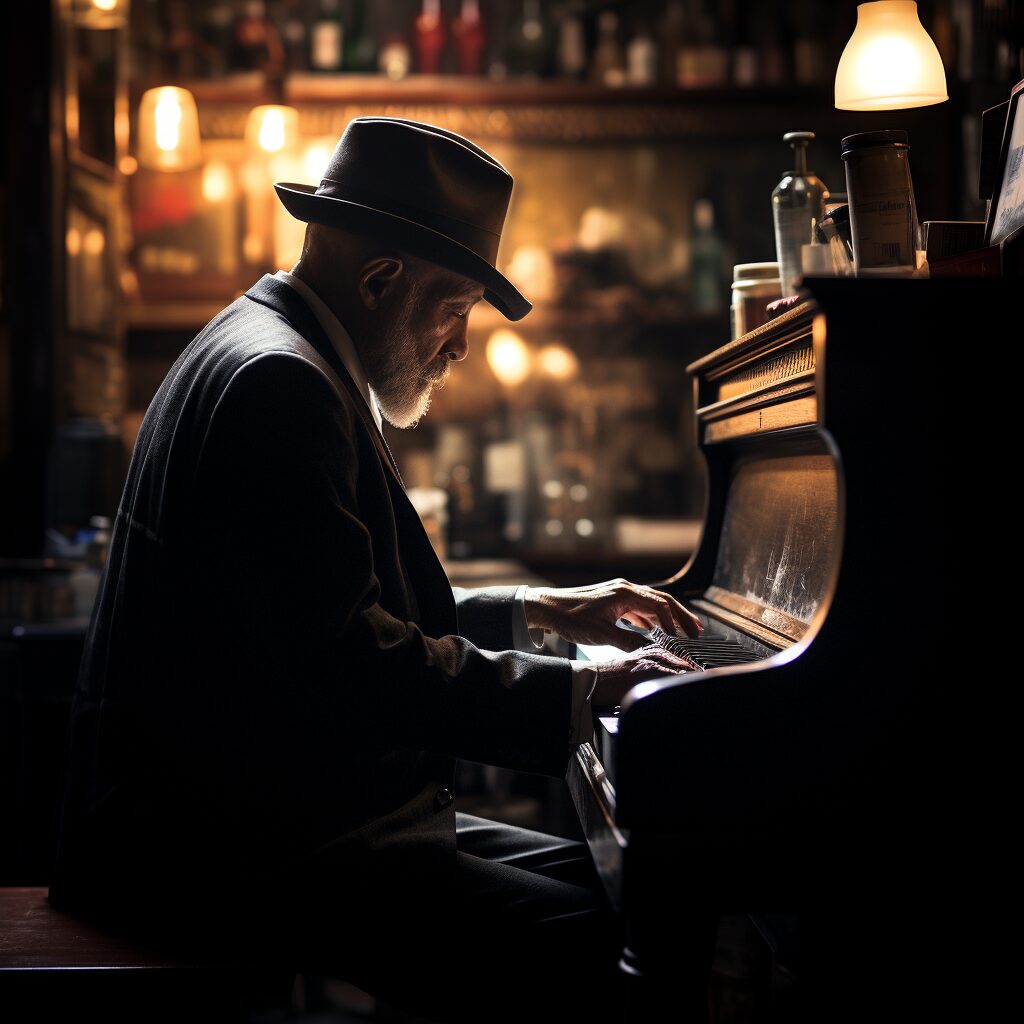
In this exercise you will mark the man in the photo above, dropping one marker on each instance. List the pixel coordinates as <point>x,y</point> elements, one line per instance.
<point>278,676</point>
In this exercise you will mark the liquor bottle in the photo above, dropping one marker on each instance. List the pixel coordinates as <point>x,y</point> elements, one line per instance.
<point>609,65</point>
<point>530,42</point>
<point>641,59</point>
<point>294,36</point>
<point>571,56</point>
<point>671,35</point>
<point>798,203</point>
<point>326,39</point>
<point>360,50</point>
<point>707,257</point>
<point>470,39</point>
<point>257,45</point>
<point>428,38</point>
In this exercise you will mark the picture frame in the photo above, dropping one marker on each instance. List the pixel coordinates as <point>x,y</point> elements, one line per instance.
<point>1006,209</point>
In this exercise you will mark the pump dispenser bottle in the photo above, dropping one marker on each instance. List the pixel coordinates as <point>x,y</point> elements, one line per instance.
<point>798,203</point>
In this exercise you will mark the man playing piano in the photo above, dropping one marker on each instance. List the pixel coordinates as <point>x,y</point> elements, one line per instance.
<point>278,676</point>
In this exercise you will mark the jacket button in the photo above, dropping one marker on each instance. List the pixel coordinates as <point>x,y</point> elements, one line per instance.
<point>442,798</point>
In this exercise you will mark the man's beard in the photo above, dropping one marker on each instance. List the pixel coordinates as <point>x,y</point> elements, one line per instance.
<point>402,385</point>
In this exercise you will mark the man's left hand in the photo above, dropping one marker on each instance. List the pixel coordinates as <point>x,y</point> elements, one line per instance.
<point>587,615</point>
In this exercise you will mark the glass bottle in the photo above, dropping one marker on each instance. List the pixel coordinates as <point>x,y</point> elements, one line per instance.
<point>360,50</point>
<point>798,203</point>
<point>707,257</point>
<point>428,38</point>
<point>325,41</point>
<point>470,39</point>
<point>609,65</point>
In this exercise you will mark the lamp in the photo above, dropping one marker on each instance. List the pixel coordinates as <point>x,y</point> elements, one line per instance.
<point>168,130</point>
<point>890,62</point>
<point>272,129</point>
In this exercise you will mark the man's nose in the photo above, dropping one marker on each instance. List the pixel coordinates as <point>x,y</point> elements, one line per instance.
<point>457,345</point>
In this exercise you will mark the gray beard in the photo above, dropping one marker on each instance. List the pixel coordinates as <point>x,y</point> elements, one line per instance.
<point>401,384</point>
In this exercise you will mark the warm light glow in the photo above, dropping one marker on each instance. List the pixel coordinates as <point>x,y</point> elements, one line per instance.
<point>168,129</point>
<point>272,129</point>
<point>94,243</point>
<point>316,160</point>
<point>508,357</point>
<point>890,62</point>
<point>73,241</point>
<point>558,362</point>
<point>128,165</point>
<point>217,182</point>
<point>104,5</point>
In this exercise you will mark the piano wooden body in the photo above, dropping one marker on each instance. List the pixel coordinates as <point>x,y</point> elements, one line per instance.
<point>799,778</point>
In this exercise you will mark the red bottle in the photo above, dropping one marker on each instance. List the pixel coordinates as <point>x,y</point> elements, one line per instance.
<point>428,38</point>
<point>470,39</point>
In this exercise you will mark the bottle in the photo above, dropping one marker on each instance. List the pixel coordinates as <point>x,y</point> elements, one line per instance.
<point>325,41</point>
<point>609,66</point>
<point>798,203</point>
<point>641,59</point>
<point>529,43</point>
<point>707,255</point>
<point>360,51</point>
<point>428,38</point>
<point>294,37</point>
<point>572,47</point>
<point>470,41</point>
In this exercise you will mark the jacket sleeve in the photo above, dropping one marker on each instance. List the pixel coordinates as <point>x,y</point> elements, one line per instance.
<point>485,616</point>
<point>285,563</point>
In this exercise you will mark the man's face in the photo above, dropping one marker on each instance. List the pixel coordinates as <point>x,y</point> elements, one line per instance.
<point>420,332</point>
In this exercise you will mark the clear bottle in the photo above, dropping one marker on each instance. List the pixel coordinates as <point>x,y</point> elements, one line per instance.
<point>798,203</point>
<point>707,258</point>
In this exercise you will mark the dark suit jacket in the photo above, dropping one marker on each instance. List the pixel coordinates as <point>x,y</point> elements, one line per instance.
<point>276,675</point>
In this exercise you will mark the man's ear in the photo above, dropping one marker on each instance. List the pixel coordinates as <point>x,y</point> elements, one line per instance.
<point>378,278</point>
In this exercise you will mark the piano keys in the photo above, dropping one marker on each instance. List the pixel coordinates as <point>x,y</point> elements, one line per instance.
<point>785,771</point>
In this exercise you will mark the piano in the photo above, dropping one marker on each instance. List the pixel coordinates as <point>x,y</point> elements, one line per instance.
<point>788,771</point>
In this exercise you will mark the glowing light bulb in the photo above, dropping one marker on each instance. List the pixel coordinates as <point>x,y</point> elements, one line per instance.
<point>168,120</point>
<point>217,184</point>
<point>558,362</point>
<point>272,131</point>
<point>890,62</point>
<point>508,357</point>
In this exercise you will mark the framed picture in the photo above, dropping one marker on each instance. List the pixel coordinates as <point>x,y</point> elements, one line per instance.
<point>1006,211</point>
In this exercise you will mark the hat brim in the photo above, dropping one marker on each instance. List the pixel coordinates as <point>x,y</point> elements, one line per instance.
<point>303,204</point>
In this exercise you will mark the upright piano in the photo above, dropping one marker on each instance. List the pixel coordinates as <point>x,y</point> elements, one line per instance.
<point>790,770</point>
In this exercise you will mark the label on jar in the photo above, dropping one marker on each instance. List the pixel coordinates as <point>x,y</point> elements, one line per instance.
<point>884,226</point>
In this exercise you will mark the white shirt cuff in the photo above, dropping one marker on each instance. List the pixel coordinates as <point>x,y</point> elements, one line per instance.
<point>523,638</point>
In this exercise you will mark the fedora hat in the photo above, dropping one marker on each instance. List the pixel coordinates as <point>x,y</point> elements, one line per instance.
<point>422,189</point>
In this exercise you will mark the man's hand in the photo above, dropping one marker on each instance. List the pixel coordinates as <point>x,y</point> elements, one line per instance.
<point>587,615</point>
<point>616,678</point>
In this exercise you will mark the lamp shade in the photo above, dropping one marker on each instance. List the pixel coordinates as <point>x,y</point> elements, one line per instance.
<point>890,62</point>
<point>168,130</point>
<point>272,129</point>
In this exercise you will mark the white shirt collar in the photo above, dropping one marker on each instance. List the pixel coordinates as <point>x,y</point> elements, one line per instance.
<point>339,339</point>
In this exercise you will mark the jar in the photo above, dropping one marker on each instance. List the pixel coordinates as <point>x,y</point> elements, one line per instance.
<point>883,216</point>
<point>754,285</point>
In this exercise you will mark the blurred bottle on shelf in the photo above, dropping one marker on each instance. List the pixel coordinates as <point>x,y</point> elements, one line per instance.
<point>470,38</point>
<point>360,55</point>
<point>641,59</point>
<point>395,57</point>
<point>707,257</point>
<point>609,64</point>
<point>745,65</point>
<point>429,38</point>
<point>257,46</point>
<point>326,39</point>
<point>703,60</point>
<point>530,43</point>
<point>294,35</point>
<point>571,56</point>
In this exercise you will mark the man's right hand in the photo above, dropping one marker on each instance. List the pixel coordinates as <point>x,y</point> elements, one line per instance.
<point>616,678</point>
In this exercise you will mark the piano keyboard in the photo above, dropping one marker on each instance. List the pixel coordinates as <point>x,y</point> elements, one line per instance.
<point>707,651</point>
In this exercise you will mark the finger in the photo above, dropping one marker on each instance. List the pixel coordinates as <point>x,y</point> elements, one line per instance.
<point>626,640</point>
<point>688,622</point>
<point>660,607</point>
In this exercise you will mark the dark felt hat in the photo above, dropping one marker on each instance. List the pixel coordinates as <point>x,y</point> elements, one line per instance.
<point>422,189</point>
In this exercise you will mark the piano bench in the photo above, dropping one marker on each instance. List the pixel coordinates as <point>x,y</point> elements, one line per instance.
<point>54,965</point>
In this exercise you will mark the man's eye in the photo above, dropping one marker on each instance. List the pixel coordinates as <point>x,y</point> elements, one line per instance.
<point>460,313</point>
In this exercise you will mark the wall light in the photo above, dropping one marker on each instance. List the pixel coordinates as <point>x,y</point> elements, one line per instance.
<point>890,62</point>
<point>272,129</point>
<point>508,357</point>
<point>168,130</point>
